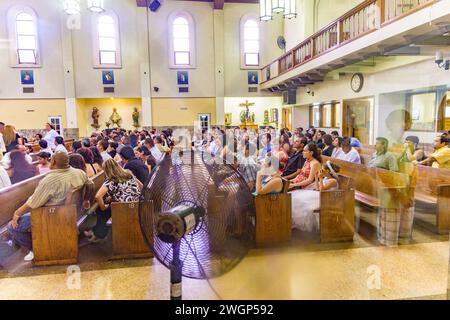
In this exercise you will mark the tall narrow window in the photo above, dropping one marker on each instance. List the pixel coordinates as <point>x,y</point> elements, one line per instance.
<point>249,41</point>
<point>23,36</point>
<point>182,40</point>
<point>106,41</point>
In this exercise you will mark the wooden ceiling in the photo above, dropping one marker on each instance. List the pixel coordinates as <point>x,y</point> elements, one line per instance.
<point>218,4</point>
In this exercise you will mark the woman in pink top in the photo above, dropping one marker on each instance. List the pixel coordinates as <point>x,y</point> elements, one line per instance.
<point>307,175</point>
<point>44,162</point>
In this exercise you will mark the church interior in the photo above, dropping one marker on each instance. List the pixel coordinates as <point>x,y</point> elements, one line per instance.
<point>224,149</point>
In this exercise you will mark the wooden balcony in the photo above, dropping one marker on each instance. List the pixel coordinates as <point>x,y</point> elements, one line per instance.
<point>369,16</point>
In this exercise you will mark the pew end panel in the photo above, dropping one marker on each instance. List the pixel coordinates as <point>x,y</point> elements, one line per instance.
<point>443,209</point>
<point>273,218</point>
<point>127,238</point>
<point>337,213</point>
<point>54,235</point>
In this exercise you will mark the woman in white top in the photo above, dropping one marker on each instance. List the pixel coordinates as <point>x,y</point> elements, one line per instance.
<point>60,147</point>
<point>50,136</point>
<point>305,202</point>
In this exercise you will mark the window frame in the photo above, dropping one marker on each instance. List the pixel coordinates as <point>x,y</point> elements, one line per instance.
<point>409,106</point>
<point>96,41</point>
<point>192,40</point>
<point>14,59</point>
<point>243,21</point>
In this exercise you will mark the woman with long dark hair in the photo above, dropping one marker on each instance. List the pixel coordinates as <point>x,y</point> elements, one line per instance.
<point>307,175</point>
<point>20,168</point>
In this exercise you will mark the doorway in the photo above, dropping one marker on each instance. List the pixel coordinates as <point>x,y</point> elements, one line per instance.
<point>204,121</point>
<point>286,118</point>
<point>356,117</point>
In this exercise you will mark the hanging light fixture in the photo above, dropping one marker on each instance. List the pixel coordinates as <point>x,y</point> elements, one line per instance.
<point>265,9</point>
<point>278,6</point>
<point>96,5</point>
<point>290,9</point>
<point>72,6</point>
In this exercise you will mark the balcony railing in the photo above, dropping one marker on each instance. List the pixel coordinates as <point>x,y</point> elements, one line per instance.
<point>367,17</point>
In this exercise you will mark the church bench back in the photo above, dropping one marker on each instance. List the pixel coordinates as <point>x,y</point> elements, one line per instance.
<point>13,197</point>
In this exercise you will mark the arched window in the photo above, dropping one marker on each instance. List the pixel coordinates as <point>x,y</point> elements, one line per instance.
<point>182,40</point>
<point>23,36</point>
<point>249,41</point>
<point>106,41</point>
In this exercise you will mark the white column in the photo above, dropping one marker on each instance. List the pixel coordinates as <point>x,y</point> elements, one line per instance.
<point>68,23</point>
<point>219,66</point>
<point>144,60</point>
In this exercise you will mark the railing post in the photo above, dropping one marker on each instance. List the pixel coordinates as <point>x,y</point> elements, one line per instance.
<point>381,7</point>
<point>339,32</point>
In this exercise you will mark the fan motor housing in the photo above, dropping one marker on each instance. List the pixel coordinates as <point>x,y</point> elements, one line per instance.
<point>177,222</point>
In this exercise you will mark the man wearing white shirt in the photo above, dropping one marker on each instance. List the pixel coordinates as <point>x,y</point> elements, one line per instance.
<point>4,178</point>
<point>150,145</point>
<point>349,153</point>
<point>6,161</point>
<point>50,136</point>
<point>102,147</point>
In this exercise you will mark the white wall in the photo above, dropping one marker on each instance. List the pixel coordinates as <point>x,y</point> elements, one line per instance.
<point>49,79</point>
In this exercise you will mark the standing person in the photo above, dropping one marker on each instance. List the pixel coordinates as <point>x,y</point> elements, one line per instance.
<point>120,186</point>
<point>50,135</point>
<point>20,169</point>
<point>44,162</point>
<point>11,138</point>
<point>60,146</point>
<point>51,191</point>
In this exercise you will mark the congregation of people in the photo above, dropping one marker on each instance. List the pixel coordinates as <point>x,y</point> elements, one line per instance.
<point>267,159</point>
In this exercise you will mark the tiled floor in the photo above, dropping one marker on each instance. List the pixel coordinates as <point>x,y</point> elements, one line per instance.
<point>305,269</point>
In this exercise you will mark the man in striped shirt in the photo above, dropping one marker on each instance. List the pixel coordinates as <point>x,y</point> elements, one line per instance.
<point>51,191</point>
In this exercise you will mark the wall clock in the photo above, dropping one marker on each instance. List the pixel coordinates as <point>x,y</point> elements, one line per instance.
<point>357,82</point>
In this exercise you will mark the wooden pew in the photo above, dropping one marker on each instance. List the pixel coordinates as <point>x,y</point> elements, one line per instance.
<point>376,188</point>
<point>433,188</point>
<point>13,197</point>
<point>127,238</point>
<point>337,212</point>
<point>274,217</point>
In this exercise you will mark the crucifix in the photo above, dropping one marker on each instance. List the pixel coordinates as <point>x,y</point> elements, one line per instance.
<point>247,110</point>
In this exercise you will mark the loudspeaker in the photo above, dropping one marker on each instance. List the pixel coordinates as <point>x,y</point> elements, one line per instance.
<point>154,5</point>
<point>290,96</point>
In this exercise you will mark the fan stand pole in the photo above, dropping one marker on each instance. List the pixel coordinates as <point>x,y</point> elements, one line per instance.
<point>176,273</point>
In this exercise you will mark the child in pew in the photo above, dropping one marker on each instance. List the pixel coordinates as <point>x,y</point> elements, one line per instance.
<point>120,186</point>
<point>305,202</point>
<point>44,162</point>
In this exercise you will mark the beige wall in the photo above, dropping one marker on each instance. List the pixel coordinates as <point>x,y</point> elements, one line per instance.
<point>31,113</point>
<point>181,112</point>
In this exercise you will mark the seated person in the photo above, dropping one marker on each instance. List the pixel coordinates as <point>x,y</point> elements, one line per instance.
<point>43,144</point>
<point>440,158</point>
<point>136,166</point>
<point>77,161</point>
<point>51,191</point>
<point>349,153</point>
<point>91,168</point>
<point>120,186</point>
<point>150,163</point>
<point>44,162</point>
<point>6,161</point>
<point>76,145</point>
<point>150,145</point>
<point>5,181</point>
<point>296,161</point>
<point>142,153</point>
<point>306,178</point>
<point>20,168</point>
<point>248,167</point>
<point>102,147</point>
<point>159,144</point>
<point>328,145</point>
<point>266,180</point>
<point>337,147</point>
<point>355,143</point>
<point>411,151</point>
<point>305,202</point>
<point>283,154</point>
<point>382,158</point>
<point>60,146</point>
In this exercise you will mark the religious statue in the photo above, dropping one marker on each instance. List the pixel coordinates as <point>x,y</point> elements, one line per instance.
<point>266,117</point>
<point>136,118</point>
<point>95,116</point>
<point>245,116</point>
<point>252,117</point>
<point>115,118</point>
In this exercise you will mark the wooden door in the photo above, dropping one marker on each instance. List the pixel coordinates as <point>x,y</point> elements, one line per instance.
<point>286,118</point>
<point>356,120</point>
